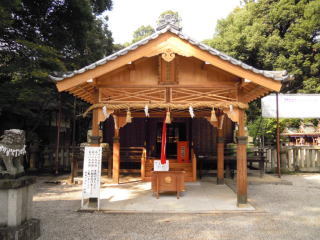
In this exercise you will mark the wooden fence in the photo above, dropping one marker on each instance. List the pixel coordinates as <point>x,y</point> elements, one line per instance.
<point>294,158</point>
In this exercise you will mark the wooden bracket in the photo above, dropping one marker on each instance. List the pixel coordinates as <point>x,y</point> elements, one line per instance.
<point>119,121</point>
<point>233,115</point>
<point>214,124</point>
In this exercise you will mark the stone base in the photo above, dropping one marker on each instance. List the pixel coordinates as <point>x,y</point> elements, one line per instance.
<point>29,230</point>
<point>16,201</point>
<point>242,200</point>
<point>4,175</point>
<point>220,181</point>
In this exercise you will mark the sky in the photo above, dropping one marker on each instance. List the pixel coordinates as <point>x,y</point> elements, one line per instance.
<point>199,17</point>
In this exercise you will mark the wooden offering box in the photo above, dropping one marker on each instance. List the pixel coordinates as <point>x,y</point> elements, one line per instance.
<point>167,181</point>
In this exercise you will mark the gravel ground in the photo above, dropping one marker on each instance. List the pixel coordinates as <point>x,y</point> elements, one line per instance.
<point>284,212</point>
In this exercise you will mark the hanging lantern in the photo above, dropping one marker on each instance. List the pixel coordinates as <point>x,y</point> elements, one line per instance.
<point>146,110</point>
<point>191,111</point>
<point>128,118</point>
<point>168,117</point>
<point>213,117</point>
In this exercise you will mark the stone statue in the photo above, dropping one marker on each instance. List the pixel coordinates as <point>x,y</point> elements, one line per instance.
<point>12,149</point>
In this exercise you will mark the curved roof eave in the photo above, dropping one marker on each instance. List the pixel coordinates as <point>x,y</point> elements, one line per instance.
<point>275,75</point>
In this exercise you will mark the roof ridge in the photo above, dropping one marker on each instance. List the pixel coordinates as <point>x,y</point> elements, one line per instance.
<point>276,75</point>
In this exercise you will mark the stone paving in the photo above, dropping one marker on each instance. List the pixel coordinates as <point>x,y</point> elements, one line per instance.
<point>282,212</point>
<point>204,196</point>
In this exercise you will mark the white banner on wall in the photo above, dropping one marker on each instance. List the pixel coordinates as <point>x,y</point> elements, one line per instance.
<point>291,106</point>
<point>91,173</point>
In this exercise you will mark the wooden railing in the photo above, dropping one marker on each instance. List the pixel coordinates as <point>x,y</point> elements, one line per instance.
<point>256,158</point>
<point>131,157</point>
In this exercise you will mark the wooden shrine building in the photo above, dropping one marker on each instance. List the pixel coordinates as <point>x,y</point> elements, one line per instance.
<point>171,76</point>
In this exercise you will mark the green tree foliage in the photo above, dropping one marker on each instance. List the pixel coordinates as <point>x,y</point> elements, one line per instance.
<point>275,35</point>
<point>142,32</point>
<point>38,38</point>
<point>146,30</point>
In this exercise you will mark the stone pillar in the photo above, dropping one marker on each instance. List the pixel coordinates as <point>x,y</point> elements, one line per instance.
<point>16,220</point>
<point>242,185</point>
<point>95,140</point>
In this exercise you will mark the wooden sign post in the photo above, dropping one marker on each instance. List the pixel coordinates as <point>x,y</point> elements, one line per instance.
<point>91,175</point>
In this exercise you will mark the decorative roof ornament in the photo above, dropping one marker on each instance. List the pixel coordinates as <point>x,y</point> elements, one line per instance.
<point>168,55</point>
<point>306,128</point>
<point>301,127</point>
<point>168,20</point>
<point>285,130</point>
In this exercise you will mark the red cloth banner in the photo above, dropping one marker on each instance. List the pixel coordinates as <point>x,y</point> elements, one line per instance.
<point>163,142</point>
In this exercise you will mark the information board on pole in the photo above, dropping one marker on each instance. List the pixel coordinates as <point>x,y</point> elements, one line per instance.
<point>291,106</point>
<point>91,174</point>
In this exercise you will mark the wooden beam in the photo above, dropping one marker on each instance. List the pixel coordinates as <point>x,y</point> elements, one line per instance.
<point>162,113</point>
<point>254,93</point>
<point>86,95</point>
<point>112,85</point>
<point>242,184</point>
<point>82,89</point>
<point>244,84</point>
<point>83,94</point>
<point>89,100</point>
<point>168,95</point>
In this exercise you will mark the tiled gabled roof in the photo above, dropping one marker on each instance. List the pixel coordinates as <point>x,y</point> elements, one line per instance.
<point>276,75</point>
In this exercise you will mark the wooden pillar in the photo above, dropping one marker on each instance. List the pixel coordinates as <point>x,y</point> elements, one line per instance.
<point>116,152</point>
<point>95,138</point>
<point>32,163</point>
<point>194,165</point>
<point>220,157</point>
<point>143,164</point>
<point>242,185</point>
<point>74,162</point>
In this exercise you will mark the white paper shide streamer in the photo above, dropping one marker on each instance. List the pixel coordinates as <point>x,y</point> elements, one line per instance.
<point>146,110</point>
<point>105,112</point>
<point>191,112</point>
<point>13,152</point>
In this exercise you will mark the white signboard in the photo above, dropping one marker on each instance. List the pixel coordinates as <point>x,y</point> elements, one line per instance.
<point>157,166</point>
<point>291,106</point>
<point>91,173</point>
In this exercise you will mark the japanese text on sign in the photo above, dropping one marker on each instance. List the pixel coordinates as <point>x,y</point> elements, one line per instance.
<point>157,166</point>
<point>91,172</point>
